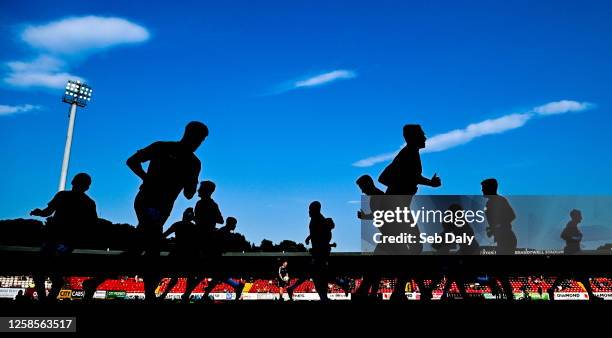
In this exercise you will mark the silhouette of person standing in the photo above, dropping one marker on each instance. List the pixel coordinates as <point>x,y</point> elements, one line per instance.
<point>402,178</point>
<point>221,241</point>
<point>320,235</point>
<point>571,234</point>
<point>185,243</point>
<point>282,279</point>
<point>71,210</point>
<point>499,215</point>
<point>207,216</point>
<point>572,237</point>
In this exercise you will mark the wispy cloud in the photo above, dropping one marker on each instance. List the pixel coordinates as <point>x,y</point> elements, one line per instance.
<point>61,42</point>
<point>10,110</point>
<point>315,81</point>
<point>325,78</point>
<point>498,125</point>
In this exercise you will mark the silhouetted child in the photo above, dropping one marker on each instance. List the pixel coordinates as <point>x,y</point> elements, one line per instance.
<point>72,210</point>
<point>571,234</point>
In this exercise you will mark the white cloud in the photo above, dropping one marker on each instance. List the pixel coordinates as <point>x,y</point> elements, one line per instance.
<point>80,34</point>
<point>9,110</point>
<point>44,71</point>
<point>313,81</point>
<point>457,137</point>
<point>322,79</point>
<point>499,125</point>
<point>60,42</point>
<point>561,107</point>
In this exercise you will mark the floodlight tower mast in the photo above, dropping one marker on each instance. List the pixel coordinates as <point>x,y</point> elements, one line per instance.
<point>77,95</point>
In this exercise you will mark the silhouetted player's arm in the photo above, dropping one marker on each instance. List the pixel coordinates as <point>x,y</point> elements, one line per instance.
<point>46,212</point>
<point>433,182</point>
<point>143,155</point>
<point>49,210</point>
<point>191,183</point>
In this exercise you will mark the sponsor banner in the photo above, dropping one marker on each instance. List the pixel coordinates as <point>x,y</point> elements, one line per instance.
<point>99,294</point>
<point>222,295</point>
<point>115,294</point>
<point>65,294</point>
<point>249,296</point>
<point>135,295</point>
<point>604,295</point>
<point>532,296</point>
<point>571,296</point>
<point>10,292</point>
<point>77,294</point>
<point>172,296</point>
<point>413,295</point>
<point>339,296</point>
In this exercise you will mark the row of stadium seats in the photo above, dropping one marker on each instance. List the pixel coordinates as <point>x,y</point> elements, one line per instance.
<point>134,284</point>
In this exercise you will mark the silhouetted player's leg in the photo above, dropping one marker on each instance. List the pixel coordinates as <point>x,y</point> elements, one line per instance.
<point>171,284</point>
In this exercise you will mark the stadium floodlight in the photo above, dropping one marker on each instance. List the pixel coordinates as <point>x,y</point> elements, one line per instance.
<point>77,94</point>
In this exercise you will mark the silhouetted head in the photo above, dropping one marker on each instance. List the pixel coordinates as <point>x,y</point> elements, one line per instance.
<point>366,184</point>
<point>206,189</point>
<point>576,215</point>
<point>489,186</point>
<point>230,223</point>
<point>188,215</point>
<point>284,264</point>
<point>414,136</point>
<point>314,208</point>
<point>195,133</point>
<point>81,182</point>
<point>455,207</point>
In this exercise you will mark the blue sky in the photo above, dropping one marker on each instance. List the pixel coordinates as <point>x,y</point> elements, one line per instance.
<point>296,94</point>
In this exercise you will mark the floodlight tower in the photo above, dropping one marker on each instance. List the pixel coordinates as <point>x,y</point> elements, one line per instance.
<point>78,94</point>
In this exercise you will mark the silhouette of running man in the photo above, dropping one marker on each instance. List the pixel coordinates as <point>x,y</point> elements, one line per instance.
<point>222,239</point>
<point>207,216</point>
<point>571,234</point>
<point>572,237</point>
<point>371,280</point>
<point>185,243</point>
<point>320,235</point>
<point>499,215</point>
<point>402,178</point>
<point>173,167</point>
<point>72,210</point>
